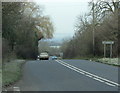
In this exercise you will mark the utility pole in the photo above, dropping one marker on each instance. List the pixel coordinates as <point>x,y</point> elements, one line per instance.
<point>93,29</point>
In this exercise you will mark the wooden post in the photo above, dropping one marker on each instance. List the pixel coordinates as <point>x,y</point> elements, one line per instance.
<point>104,50</point>
<point>111,51</point>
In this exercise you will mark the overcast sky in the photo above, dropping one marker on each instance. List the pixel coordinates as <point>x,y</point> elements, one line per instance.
<point>63,14</point>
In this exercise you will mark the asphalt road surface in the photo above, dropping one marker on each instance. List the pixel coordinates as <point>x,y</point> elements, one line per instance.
<point>68,75</point>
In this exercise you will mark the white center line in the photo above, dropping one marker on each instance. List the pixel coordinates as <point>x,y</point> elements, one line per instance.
<point>88,74</point>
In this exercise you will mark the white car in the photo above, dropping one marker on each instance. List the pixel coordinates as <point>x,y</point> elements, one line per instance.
<point>44,56</point>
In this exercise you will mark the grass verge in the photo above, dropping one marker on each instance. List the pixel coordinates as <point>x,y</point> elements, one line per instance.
<point>109,61</point>
<point>12,72</point>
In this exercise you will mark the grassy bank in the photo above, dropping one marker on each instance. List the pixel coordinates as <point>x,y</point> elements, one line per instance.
<point>12,72</point>
<point>109,61</point>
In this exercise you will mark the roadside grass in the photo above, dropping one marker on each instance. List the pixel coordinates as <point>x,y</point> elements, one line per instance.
<point>109,61</point>
<point>11,72</point>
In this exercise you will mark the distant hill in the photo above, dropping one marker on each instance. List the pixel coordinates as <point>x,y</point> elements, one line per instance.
<point>53,43</point>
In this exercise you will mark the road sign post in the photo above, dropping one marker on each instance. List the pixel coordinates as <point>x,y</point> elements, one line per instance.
<point>104,50</point>
<point>108,43</point>
<point>111,51</point>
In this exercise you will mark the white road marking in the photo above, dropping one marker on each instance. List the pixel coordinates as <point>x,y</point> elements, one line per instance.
<point>16,89</point>
<point>4,90</point>
<point>93,76</point>
<point>98,79</point>
<point>88,75</point>
<point>110,84</point>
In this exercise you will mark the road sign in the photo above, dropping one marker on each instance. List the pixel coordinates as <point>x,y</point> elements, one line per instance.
<point>110,43</point>
<point>61,54</point>
<point>107,42</point>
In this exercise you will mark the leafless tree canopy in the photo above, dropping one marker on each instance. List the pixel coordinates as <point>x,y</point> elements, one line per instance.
<point>107,17</point>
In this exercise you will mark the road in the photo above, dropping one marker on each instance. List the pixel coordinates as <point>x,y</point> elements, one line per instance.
<point>68,75</point>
